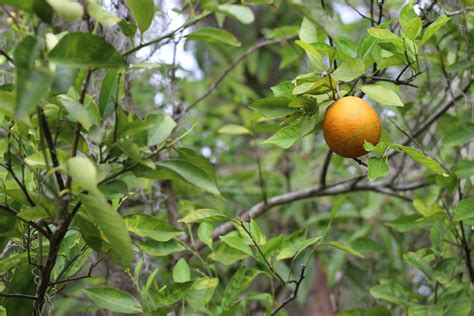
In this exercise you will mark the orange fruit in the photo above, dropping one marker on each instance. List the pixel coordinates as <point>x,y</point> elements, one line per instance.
<point>348,123</point>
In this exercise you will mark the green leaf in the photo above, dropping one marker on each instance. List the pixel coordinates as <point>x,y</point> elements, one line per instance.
<point>433,28</point>
<point>204,215</point>
<point>378,168</point>
<point>273,107</point>
<point>67,10</point>
<point>423,160</point>
<point>85,50</point>
<point>386,36</point>
<point>181,272</point>
<point>459,136</point>
<point>21,282</point>
<point>243,14</point>
<point>202,292</point>
<point>464,168</point>
<point>226,255</point>
<point>232,129</point>
<point>345,247</point>
<point>39,7</point>
<point>76,111</point>
<point>7,103</point>
<point>237,243</point>
<point>143,12</point>
<point>114,300</point>
<point>112,226</point>
<point>172,293</point>
<point>162,127</point>
<point>391,291</point>
<point>84,172</point>
<point>382,94</point>
<point>407,223</point>
<point>214,35</point>
<point>32,86</point>
<point>285,137</point>
<point>464,210</point>
<point>108,93</point>
<point>100,15</point>
<point>151,227</point>
<point>238,283</point>
<point>413,28</point>
<point>204,233</point>
<point>160,249</point>
<point>190,173</point>
<point>349,70</point>
<point>308,32</point>
<point>437,235</point>
<point>33,213</point>
<point>314,55</point>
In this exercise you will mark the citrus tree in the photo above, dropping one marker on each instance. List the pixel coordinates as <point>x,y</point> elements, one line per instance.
<point>170,157</point>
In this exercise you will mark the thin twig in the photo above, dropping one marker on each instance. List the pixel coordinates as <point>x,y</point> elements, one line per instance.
<point>169,34</point>
<point>460,11</point>
<point>12,212</point>
<point>324,169</point>
<point>293,295</point>
<point>241,58</point>
<point>31,297</point>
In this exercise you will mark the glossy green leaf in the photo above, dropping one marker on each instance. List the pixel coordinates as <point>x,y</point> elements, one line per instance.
<point>85,50</point>
<point>204,215</point>
<point>238,283</point>
<point>433,28</point>
<point>214,35</point>
<point>243,14</point>
<point>378,168</point>
<point>391,291</point>
<point>273,107</point>
<point>143,12</point>
<point>76,111</point>
<point>100,15</point>
<point>285,137</point>
<point>67,10</point>
<point>160,249</point>
<point>181,272</point>
<point>162,127</point>
<point>423,160</point>
<point>233,129</point>
<point>204,233</point>
<point>172,293</point>
<point>108,93</point>
<point>464,210</point>
<point>190,173</point>
<point>382,94</point>
<point>349,70</point>
<point>237,243</point>
<point>202,292</point>
<point>112,226</point>
<point>114,300</point>
<point>151,227</point>
<point>226,255</point>
<point>385,35</point>
<point>84,172</point>
<point>345,247</point>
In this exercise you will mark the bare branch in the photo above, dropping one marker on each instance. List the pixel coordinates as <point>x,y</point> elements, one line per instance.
<point>461,11</point>
<point>293,295</point>
<point>241,58</point>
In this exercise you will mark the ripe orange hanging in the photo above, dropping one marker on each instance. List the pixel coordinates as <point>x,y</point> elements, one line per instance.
<point>348,123</point>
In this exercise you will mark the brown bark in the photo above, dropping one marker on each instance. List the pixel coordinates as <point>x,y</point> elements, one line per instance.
<point>319,296</point>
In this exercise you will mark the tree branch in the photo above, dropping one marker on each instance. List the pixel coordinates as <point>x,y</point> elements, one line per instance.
<point>169,34</point>
<point>12,212</point>
<point>293,295</point>
<point>17,295</point>
<point>233,65</point>
<point>461,11</point>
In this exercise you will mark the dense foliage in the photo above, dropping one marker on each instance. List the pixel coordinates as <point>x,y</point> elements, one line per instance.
<point>168,158</point>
